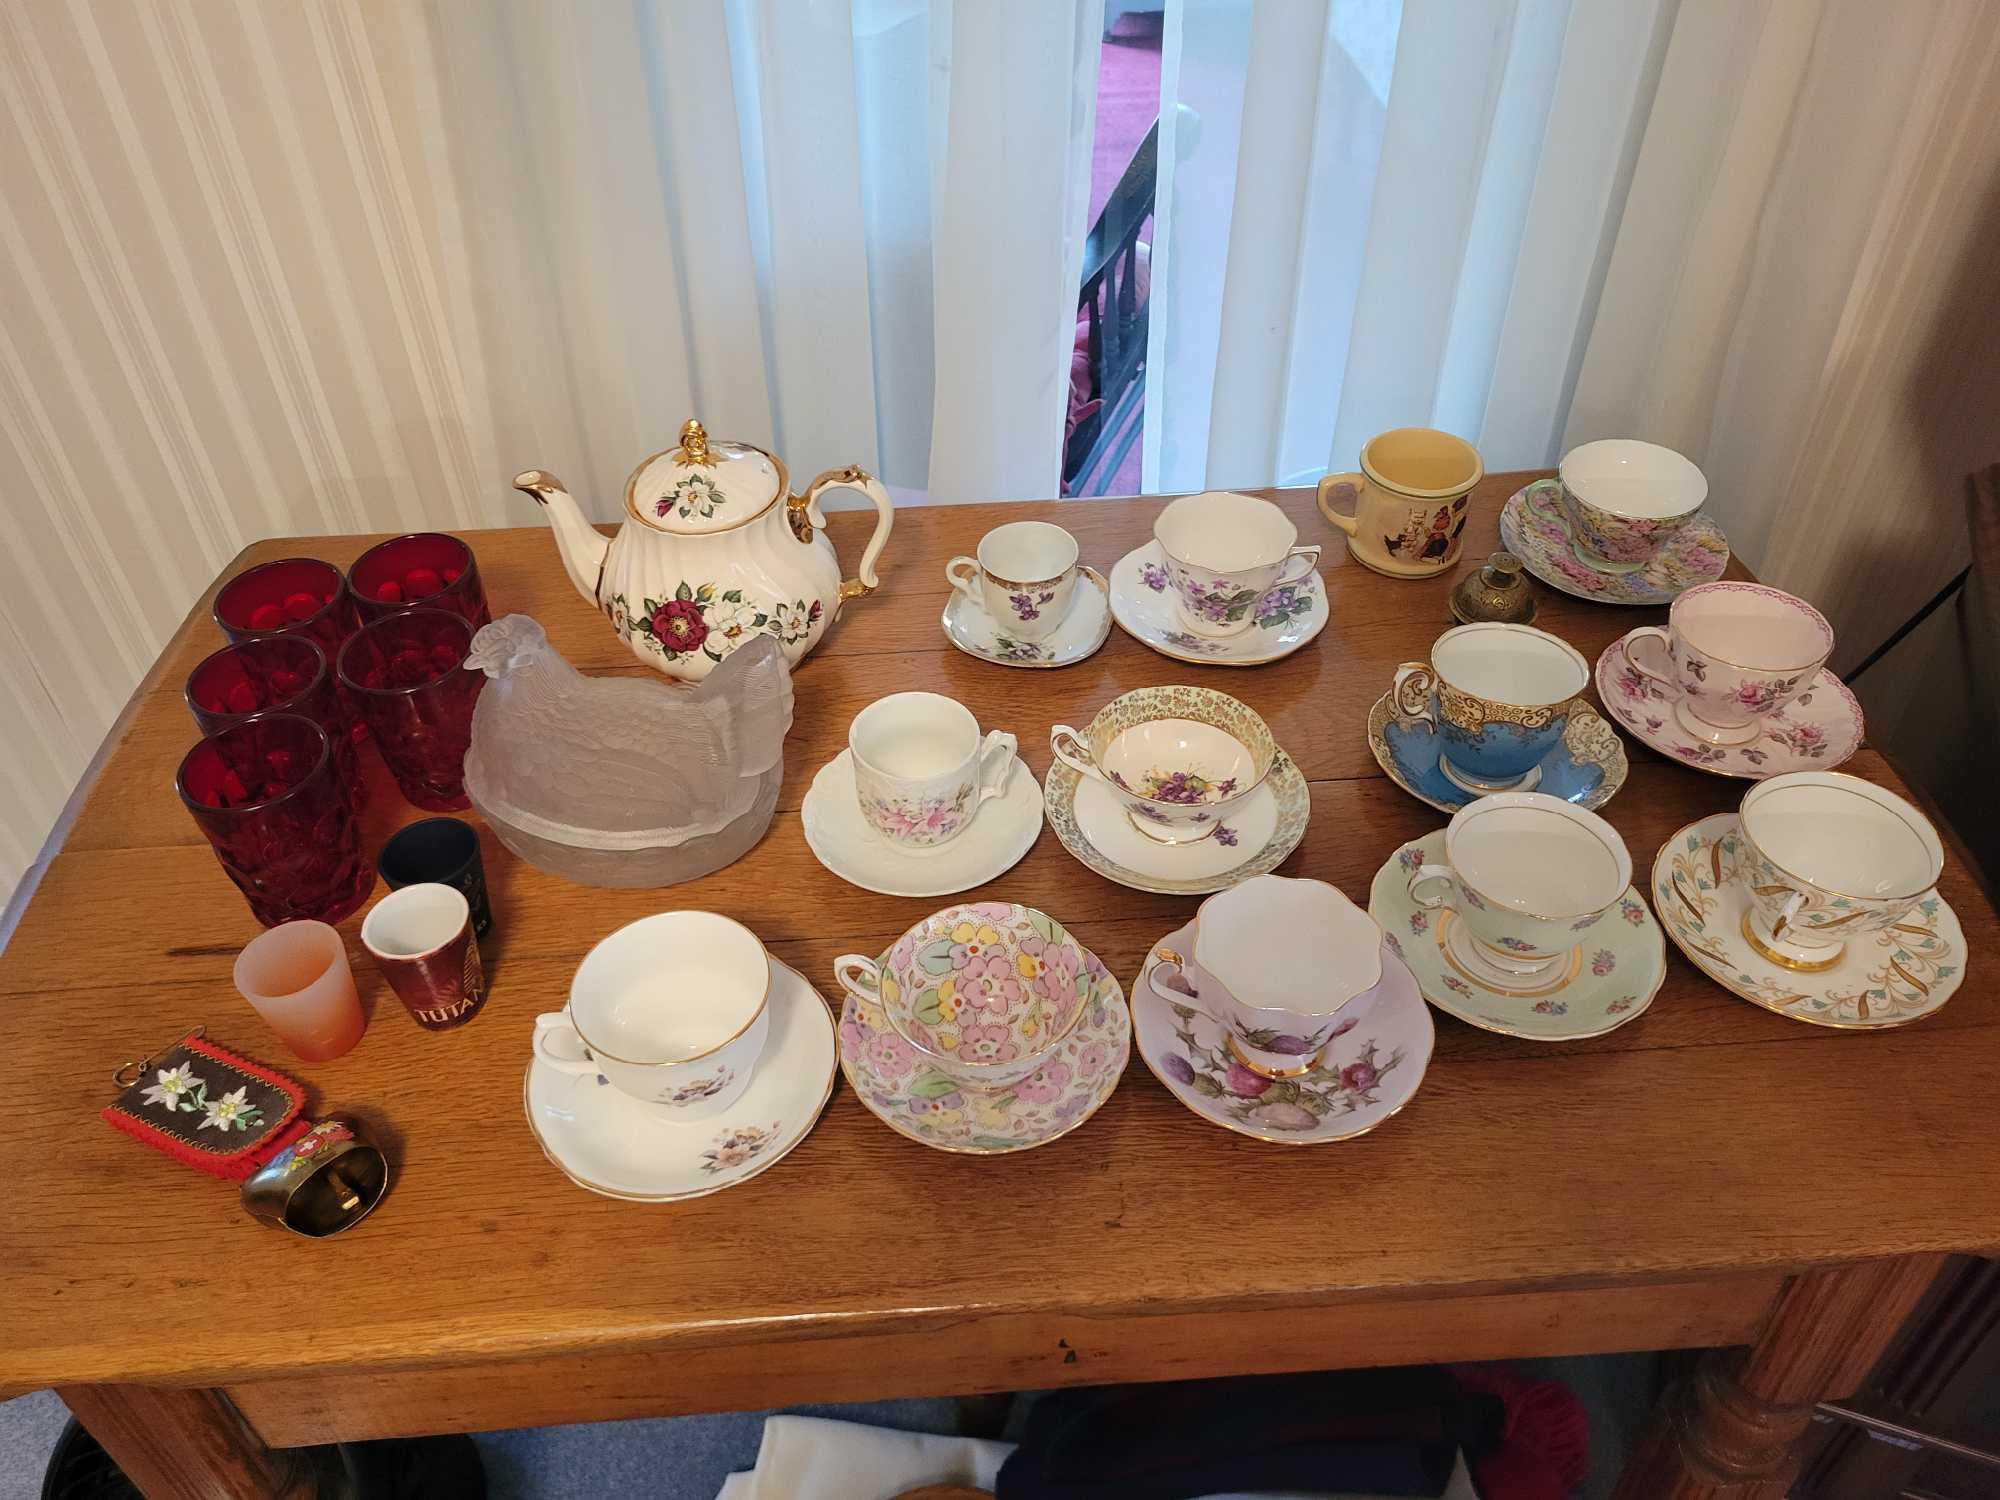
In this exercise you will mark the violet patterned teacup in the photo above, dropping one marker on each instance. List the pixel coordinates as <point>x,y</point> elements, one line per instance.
<point>1023,578</point>
<point>1180,760</point>
<point>671,1009</point>
<point>1624,499</point>
<point>921,767</point>
<point>982,991</point>
<point>1224,553</point>
<point>1734,654</point>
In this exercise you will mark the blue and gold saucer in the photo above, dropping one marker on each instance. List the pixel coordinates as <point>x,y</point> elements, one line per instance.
<point>1586,768</point>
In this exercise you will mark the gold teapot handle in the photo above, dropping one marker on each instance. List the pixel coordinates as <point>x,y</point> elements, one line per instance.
<point>805,515</point>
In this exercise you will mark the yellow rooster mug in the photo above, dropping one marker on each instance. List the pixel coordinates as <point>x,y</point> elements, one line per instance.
<point>1410,500</point>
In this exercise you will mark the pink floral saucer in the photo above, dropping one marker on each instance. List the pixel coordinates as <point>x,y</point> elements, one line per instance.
<point>916,1100</point>
<point>1534,529</point>
<point>1367,1073</point>
<point>1816,731</point>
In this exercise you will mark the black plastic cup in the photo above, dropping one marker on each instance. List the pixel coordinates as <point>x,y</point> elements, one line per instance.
<point>440,851</point>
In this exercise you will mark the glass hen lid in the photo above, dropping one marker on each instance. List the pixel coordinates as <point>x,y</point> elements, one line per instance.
<point>704,485</point>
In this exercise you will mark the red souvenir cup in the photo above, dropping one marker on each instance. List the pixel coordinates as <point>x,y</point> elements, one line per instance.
<point>265,794</point>
<point>276,674</point>
<point>406,675</point>
<point>428,569</point>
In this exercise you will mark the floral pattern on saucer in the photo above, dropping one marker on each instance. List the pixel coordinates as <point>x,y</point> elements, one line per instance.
<point>1615,976</point>
<point>1084,628</point>
<point>915,1100</point>
<point>1816,731</point>
<point>1002,831</point>
<point>1587,767</point>
<point>1142,602</point>
<point>1883,979</point>
<point>1534,529</point>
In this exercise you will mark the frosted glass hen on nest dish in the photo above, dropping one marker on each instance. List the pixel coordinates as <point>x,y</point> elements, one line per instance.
<point>624,781</point>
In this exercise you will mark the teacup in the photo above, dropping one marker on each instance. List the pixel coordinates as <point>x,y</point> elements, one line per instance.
<point>1735,653</point>
<point>922,769</point>
<point>1179,759</point>
<point>1498,697</point>
<point>1023,577</point>
<point>1225,552</point>
<point>1828,857</point>
<point>1524,874</point>
<point>982,992</point>
<point>1624,499</point>
<point>1410,500</point>
<point>671,1009</point>
<point>1275,962</point>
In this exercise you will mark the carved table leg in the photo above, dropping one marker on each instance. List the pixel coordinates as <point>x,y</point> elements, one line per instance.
<point>1733,1429</point>
<point>186,1444</point>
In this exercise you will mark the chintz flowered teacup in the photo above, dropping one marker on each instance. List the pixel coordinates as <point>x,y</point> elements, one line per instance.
<point>1734,653</point>
<point>1023,578</point>
<point>982,991</point>
<point>1224,553</point>
<point>921,767</point>
<point>1625,499</point>
<point>1180,760</point>
<point>1498,697</point>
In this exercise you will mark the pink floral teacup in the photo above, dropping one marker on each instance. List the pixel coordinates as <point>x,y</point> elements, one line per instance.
<point>1734,653</point>
<point>982,991</point>
<point>921,767</point>
<point>1625,499</point>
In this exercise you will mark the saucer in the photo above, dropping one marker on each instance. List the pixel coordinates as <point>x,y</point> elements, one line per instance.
<point>1612,979</point>
<point>1267,827</point>
<point>1369,1070</point>
<point>1883,978</point>
<point>1000,834</point>
<point>913,1099</point>
<point>1142,603</point>
<point>1816,731</point>
<point>1534,529</point>
<point>1082,631</point>
<point>612,1144</point>
<point>1587,768</point>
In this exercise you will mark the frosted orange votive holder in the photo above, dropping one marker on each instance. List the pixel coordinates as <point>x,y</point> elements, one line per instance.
<point>297,978</point>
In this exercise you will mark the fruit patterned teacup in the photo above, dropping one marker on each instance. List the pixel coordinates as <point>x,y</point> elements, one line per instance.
<point>1224,553</point>
<point>1734,653</point>
<point>921,768</point>
<point>1625,499</point>
<point>1498,697</point>
<point>982,991</point>
<point>1177,758</point>
<point>1023,578</point>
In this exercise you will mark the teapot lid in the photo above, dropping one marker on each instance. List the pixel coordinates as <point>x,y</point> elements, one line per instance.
<point>704,485</point>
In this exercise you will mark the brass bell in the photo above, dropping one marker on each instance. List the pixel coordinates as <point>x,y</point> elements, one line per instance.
<point>325,1181</point>
<point>1494,591</point>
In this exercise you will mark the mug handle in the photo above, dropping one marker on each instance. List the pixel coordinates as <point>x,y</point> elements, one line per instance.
<point>547,1026</point>
<point>1432,872</point>
<point>1355,481</point>
<point>860,976</point>
<point>962,573</point>
<point>1068,747</point>
<point>1307,555</point>
<point>1411,695</point>
<point>1648,633</point>
<point>995,763</point>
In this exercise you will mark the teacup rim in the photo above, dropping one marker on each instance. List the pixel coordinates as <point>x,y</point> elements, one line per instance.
<point>1074,564</point>
<point>1512,627</point>
<point>1194,948</point>
<point>1727,585</point>
<point>1923,826</point>
<point>1572,485</point>
<point>1088,735</point>
<point>1188,562</point>
<point>763,1000</point>
<point>1540,799</point>
<point>861,760</point>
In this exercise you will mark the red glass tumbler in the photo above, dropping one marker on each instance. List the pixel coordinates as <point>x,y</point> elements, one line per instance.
<point>428,568</point>
<point>406,675</point>
<point>293,596</point>
<point>286,674</point>
<point>265,794</point>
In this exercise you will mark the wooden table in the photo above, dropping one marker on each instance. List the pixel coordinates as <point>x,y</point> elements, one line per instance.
<point>1710,1175</point>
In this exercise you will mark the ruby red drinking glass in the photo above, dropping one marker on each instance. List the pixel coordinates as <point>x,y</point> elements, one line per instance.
<point>265,794</point>
<point>406,675</point>
<point>293,596</point>
<point>276,674</point>
<point>428,569</point>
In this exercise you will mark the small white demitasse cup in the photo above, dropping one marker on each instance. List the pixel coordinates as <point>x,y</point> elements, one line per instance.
<point>1023,577</point>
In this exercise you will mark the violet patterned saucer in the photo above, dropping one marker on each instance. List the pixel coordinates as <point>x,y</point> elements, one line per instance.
<point>612,1144</point>
<point>1534,529</point>
<point>914,1099</point>
<point>1142,602</point>
<point>1082,631</point>
<point>1616,971</point>
<point>1370,1069</point>
<point>1883,979</point>
<point>1816,731</point>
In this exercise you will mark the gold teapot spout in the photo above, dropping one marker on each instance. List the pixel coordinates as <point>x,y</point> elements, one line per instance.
<point>583,549</point>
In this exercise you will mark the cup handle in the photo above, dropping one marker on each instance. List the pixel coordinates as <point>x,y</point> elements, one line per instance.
<point>1349,524</point>
<point>547,1027</point>
<point>1432,872</point>
<point>962,573</point>
<point>1541,490</point>
<point>1289,574</point>
<point>1647,633</point>
<point>1166,958</point>
<point>995,764</point>
<point>1068,747</point>
<point>1411,695</point>
<point>860,976</point>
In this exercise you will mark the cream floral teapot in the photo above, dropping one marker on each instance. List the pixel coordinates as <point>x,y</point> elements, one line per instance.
<point>714,549</point>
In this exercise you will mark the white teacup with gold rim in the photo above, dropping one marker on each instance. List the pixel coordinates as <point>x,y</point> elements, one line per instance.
<point>1178,758</point>
<point>1829,857</point>
<point>1525,874</point>
<point>1023,577</point>
<point>671,1009</point>
<point>1224,553</point>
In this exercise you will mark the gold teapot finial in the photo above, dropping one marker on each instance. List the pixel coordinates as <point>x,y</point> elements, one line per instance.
<point>694,446</point>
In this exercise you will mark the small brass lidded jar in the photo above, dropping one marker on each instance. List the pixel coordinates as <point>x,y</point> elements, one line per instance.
<point>1495,590</point>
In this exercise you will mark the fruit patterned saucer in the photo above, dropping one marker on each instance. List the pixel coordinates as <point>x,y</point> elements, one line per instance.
<point>1369,1071</point>
<point>1882,979</point>
<point>1816,731</point>
<point>1534,529</point>
<point>1142,602</point>
<point>1587,768</point>
<point>1613,977</point>
<point>1082,631</point>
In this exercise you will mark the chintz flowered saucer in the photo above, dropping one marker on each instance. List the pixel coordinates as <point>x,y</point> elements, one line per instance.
<point>1369,1070</point>
<point>1617,969</point>
<point>1883,979</point>
<point>1082,631</point>
<point>1534,529</point>
<point>1142,602</point>
<point>610,1143</point>
<point>1001,832</point>
<point>1587,767</point>
<point>1816,731</point>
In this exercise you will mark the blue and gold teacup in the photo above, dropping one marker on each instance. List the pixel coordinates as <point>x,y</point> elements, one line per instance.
<point>1498,697</point>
